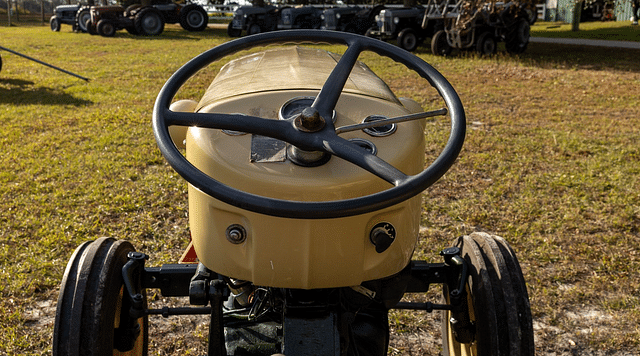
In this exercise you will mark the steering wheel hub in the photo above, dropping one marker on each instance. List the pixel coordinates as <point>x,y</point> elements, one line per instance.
<point>309,120</point>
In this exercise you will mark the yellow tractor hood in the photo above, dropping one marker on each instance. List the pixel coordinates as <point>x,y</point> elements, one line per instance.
<point>286,69</point>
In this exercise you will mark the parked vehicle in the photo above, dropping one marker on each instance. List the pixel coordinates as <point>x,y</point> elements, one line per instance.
<point>354,19</point>
<point>303,229</point>
<point>64,14</point>
<point>146,20</point>
<point>190,16</point>
<point>480,26</point>
<point>405,25</point>
<point>254,20</point>
<point>309,17</point>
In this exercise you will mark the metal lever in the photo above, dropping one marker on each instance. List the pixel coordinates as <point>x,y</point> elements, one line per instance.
<point>393,120</point>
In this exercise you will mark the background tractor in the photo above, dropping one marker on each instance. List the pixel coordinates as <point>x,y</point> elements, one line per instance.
<point>147,19</point>
<point>406,25</point>
<point>144,21</point>
<point>64,14</point>
<point>309,17</point>
<point>254,19</point>
<point>354,19</point>
<point>480,25</point>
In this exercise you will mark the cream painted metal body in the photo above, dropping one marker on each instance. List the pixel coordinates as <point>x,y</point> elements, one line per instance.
<point>299,253</point>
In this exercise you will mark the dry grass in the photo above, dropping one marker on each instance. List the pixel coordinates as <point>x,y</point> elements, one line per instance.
<point>551,163</point>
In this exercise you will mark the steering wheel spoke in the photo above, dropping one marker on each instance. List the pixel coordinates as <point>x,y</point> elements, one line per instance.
<point>235,122</point>
<point>364,159</point>
<point>330,93</point>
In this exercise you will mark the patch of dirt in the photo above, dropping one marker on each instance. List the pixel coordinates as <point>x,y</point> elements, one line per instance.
<point>188,334</point>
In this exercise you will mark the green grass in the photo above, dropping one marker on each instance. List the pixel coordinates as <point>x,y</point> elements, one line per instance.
<point>596,30</point>
<point>551,163</point>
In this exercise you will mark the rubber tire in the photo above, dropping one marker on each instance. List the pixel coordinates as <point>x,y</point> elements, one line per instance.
<point>408,39</point>
<point>498,301</point>
<point>83,18</point>
<point>486,44</point>
<point>439,44</point>
<point>253,29</point>
<point>106,28</point>
<point>193,18</point>
<point>149,22</point>
<point>91,29</point>
<point>90,301</point>
<point>233,32</point>
<point>517,39</point>
<point>54,23</point>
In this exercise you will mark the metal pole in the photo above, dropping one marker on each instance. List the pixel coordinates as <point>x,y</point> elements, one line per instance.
<point>43,63</point>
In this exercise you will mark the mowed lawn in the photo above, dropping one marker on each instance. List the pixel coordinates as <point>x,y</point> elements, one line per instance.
<point>551,163</point>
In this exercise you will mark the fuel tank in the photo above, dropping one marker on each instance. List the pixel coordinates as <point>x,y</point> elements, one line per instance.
<point>300,253</point>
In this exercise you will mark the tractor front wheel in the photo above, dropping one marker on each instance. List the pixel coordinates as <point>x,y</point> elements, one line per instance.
<point>408,39</point>
<point>497,301</point>
<point>233,32</point>
<point>253,29</point>
<point>486,44</point>
<point>92,314</point>
<point>83,18</point>
<point>106,28</point>
<point>439,44</point>
<point>54,22</point>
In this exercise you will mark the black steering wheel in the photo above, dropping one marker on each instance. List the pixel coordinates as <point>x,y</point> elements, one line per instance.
<point>310,132</point>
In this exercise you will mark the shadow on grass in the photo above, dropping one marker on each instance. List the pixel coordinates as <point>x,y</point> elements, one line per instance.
<point>555,56</point>
<point>23,92</point>
<point>177,33</point>
<point>547,55</point>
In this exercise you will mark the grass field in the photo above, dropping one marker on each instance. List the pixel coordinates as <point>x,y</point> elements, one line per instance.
<point>551,163</point>
<point>595,30</point>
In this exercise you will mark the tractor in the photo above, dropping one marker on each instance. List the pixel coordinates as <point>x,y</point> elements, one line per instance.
<point>309,17</point>
<point>255,19</point>
<point>481,25</point>
<point>106,20</point>
<point>352,19</point>
<point>146,19</point>
<point>405,25</point>
<point>305,175</point>
<point>64,14</point>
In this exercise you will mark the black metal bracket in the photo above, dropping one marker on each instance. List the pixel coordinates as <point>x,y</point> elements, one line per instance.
<point>133,302</point>
<point>460,320</point>
<point>171,279</point>
<point>132,277</point>
<point>453,274</point>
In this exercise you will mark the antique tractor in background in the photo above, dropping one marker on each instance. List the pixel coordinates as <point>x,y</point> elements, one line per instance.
<point>146,19</point>
<point>354,19</point>
<point>481,25</point>
<point>458,24</point>
<point>305,177</point>
<point>405,25</point>
<point>64,14</point>
<point>255,19</point>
